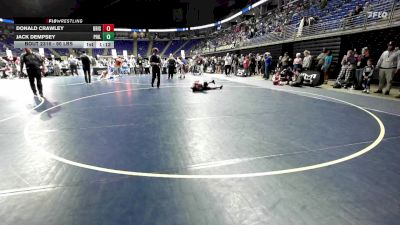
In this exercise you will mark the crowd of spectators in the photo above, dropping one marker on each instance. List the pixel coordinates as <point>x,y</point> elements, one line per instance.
<point>356,72</point>
<point>273,22</point>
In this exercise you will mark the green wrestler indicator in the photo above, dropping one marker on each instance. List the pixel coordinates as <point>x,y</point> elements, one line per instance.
<point>108,36</point>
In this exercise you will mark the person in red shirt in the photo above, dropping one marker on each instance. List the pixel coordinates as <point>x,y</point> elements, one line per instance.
<point>246,66</point>
<point>118,65</point>
<point>276,79</point>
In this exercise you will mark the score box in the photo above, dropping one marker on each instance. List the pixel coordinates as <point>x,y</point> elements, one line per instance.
<point>108,27</point>
<point>108,36</point>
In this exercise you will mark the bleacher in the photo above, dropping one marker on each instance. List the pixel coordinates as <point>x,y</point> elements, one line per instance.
<point>160,45</point>
<point>142,47</point>
<point>98,51</point>
<point>121,45</point>
<point>62,51</point>
<point>336,11</point>
<point>189,46</point>
<point>47,53</point>
<point>175,45</point>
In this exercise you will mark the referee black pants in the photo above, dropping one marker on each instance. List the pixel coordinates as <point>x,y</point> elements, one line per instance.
<point>156,74</point>
<point>86,72</point>
<point>32,75</point>
<point>171,71</point>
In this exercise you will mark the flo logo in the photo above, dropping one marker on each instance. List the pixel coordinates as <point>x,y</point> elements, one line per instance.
<point>378,15</point>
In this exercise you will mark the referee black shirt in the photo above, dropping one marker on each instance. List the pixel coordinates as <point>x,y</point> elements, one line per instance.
<point>155,59</point>
<point>85,61</point>
<point>32,60</point>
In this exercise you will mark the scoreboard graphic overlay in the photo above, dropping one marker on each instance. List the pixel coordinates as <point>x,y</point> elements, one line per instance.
<point>62,33</point>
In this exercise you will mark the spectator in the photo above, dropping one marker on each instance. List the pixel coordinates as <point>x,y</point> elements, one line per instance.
<point>268,65</point>
<point>276,79</point>
<point>200,64</point>
<point>213,64</point>
<point>258,64</point>
<point>367,6</point>
<point>73,65</point>
<point>246,66</point>
<point>117,65</point>
<point>348,66</point>
<point>183,67</point>
<point>220,65</point>
<point>389,65</point>
<point>327,64</point>
<point>228,64</point>
<point>132,64</point>
<point>364,57</point>
<point>361,64</point>
<point>18,66</point>
<point>252,64</point>
<point>298,79</point>
<point>285,60</point>
<point>307,60</point>
<point>235,64</point>
<point>320,62</point>
<point>146,66</point>
<point>171,66</point>
<point>262,62</point>
<point>298,62</point>
<point>368,72</point>
<point>140,64</point>
<point>57,68</point>
<point>358,10</point>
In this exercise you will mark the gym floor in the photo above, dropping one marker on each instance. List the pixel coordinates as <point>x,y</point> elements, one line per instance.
<point>120,152</point>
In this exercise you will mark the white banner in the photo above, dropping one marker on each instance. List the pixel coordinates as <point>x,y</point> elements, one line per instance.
<point>41,52</point>
<point>9,53</point>
<point>114,53</point>
<point>125,54</point>
<point>183,54</point>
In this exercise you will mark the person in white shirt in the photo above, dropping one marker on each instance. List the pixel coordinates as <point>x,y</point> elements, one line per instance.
<point>146,67</point>
<point>132,64</point>
<point>228,64</point>
<point>57,68</point>
<point>388,65</point>
<point>73,65</point>
<point>307,60</point>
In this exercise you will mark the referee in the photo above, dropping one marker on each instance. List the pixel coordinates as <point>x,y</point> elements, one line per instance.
<point>86,67</point>
<point>155,62</point>
<point>34,63</point>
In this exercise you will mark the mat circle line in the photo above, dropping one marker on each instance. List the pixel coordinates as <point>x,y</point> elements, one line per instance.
<point>206,176</point>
